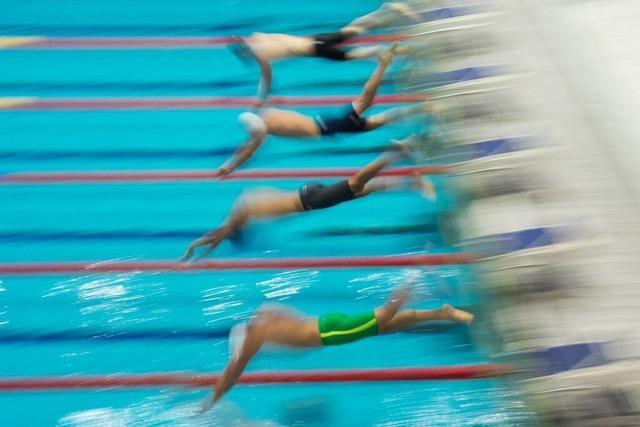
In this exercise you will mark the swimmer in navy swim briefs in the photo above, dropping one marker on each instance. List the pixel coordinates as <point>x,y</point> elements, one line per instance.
<point>347,120</point>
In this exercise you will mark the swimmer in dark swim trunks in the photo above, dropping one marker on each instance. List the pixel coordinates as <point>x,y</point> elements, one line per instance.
<point>270,202</point>
<point>271,121</point>
<point>268,46</point>
<point>283,326</point>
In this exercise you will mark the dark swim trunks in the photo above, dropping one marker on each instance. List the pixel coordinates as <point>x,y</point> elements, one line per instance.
<point>326,46</point>
<point>351,122</point>
<point>318,196</point>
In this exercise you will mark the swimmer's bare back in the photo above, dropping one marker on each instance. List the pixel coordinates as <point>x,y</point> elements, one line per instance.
<point>278,46</point>
<point>285,329</point>
<point>271,203</point>
<point>289,123</point>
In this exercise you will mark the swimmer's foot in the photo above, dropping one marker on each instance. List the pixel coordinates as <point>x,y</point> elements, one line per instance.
<point>424,185</point>
<point>403,10</point>
<point>435,108</point>
<point>455,315</point>
<point>386,57</point>
<point>386,15</point>
<point>406,145</point>
<point>407,50</point>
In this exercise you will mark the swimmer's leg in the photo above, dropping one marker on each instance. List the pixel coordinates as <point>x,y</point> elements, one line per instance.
<point>398,113</point>
<point>385,15</point>
<point>381,184</point>
<point>364,101</point>
<point>365,52</point>
<point>388,311</point>
<point>358,181</point>
<point>421,183</point>
<point>407,318</point>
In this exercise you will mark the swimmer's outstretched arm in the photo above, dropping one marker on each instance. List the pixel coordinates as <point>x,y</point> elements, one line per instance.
<point>212,240</point>
<point>234,369</point>
<point>242,154</point>
<point>238,218</point>
<point>264,87</point>
<point>266,76</point>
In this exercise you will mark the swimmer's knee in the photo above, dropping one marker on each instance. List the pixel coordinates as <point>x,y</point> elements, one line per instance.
<point>356,184</point>
<point>358,105</point>
<point>374,122</point>
<point>362,103</point>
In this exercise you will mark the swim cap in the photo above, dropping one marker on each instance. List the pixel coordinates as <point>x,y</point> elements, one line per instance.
<point>253,124</point>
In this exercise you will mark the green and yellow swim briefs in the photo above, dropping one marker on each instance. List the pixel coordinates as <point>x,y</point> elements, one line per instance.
<point>337,328</point>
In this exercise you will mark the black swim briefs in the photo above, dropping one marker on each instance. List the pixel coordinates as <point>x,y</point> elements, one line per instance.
<point>318,196</point>
<point>326,46</point>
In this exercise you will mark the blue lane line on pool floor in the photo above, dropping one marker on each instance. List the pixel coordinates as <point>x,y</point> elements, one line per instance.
<point>474,150</point>
<point>85,334</point>
<point>206,29</point>
<point>107,335</point>
<point>115,154</point>
<point>52,235</point>
<point>164,30</point>
<point>167,85</point>
<point>186,153</point>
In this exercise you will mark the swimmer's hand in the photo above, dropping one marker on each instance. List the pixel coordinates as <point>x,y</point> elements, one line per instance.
<point>224,170</point>
<point>187,254</point>
<point>206,404</point>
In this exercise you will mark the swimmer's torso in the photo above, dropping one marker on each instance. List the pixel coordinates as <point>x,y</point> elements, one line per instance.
<point>274,46</point>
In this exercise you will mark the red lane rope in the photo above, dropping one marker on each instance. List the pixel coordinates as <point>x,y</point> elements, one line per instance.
<point>158,103</point>
<point>52,268</point>
<point>198,175</point>
<point>157,42</point>
<point>289,377</point>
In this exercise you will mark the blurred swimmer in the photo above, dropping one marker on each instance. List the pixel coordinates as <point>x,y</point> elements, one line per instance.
<point>272,121</point>
<point>271,202</point>
<point>266,47</point>
<point>283,326</point>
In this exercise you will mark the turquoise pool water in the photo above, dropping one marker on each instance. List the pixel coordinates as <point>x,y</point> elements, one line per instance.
<point>137,323</point>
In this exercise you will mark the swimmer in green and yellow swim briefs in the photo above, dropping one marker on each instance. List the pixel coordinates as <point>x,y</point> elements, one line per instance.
<point>283,326</point>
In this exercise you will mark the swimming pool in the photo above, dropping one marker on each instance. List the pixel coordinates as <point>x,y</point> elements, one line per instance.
<point>143,322</point>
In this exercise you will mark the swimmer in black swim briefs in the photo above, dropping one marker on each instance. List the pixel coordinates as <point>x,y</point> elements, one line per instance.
<point>265,203</point>
<point>270,46</point>
<point>271,121</point>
